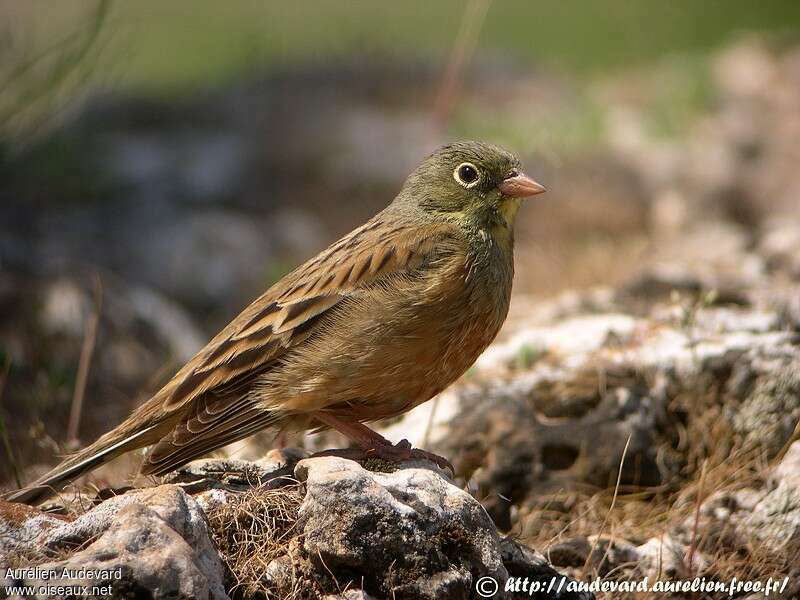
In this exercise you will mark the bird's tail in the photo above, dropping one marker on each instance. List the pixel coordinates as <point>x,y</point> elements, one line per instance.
<point>109,446</point>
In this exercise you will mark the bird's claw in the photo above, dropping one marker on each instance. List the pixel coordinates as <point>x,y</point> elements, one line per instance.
<point>399,452</point>
<point>403,450</point>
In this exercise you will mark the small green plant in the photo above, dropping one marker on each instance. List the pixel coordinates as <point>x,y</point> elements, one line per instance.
<point>526,356</point>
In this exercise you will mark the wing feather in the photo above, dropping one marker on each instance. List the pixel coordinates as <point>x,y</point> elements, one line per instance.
<point>288,312</point>
<point>213,389</point>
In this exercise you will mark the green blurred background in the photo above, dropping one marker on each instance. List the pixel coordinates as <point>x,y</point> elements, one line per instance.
<point>167,46</point>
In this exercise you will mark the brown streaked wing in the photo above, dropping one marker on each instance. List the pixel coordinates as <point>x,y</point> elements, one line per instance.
<point>182,446</point>
<point>288,312</point>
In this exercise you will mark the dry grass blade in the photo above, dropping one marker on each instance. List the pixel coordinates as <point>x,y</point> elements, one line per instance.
<point>463,48</point>
<point>251,530</point>
<point>610,508</point>
<point>696,521</point>
<point>85,361</point>
<point>12,459</point>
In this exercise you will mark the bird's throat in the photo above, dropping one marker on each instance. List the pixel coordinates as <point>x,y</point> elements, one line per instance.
<point>501,226</point>
<point>508,210</point>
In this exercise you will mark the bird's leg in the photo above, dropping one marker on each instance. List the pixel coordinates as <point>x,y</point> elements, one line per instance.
<point>354,431</point>
<point>373,444</point>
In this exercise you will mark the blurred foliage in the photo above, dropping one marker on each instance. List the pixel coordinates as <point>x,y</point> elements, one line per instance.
<point>37,77</point>
<point>53,53</point>
<point>166,46</point>
<point>577,126</point>
<point>677,92</point>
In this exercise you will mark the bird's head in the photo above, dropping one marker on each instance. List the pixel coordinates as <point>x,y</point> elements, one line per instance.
<point>471,182</point>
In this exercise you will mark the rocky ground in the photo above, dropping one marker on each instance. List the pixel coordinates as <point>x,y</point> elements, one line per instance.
<point>278,528</point>
<point>631,444</point>
<point>647,426</point>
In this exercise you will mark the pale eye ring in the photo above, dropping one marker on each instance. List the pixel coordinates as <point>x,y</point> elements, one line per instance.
<point>467,174</point>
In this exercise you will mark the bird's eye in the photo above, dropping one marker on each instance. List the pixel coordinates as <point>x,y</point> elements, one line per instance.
<point>466,174</point>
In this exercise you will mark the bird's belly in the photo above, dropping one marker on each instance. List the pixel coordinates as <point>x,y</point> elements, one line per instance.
<point>406,375</point>
<point>384,354</point>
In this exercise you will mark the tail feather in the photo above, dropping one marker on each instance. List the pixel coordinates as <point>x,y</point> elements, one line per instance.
<point>103,450</point>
